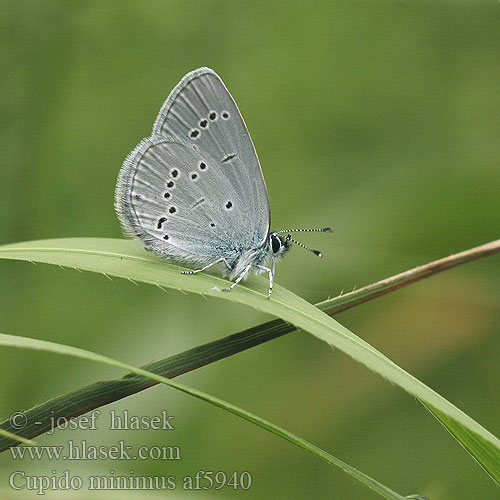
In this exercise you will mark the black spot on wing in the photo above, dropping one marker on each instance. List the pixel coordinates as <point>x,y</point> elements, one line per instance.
<point>197,203</point>
<point>228,157</point>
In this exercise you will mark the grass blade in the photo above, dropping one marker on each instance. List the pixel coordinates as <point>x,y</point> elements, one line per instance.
<point>101,393</point>
<point>27,343</point>
<point>125,259</point>
<point>15,437</point>
<point>483,452</point>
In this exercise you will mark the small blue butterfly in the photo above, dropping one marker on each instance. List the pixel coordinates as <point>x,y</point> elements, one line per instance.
<point>194,192</point>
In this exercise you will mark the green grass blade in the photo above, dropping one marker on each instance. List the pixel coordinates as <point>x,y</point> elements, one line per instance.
<point>485,454</point>
<point>15,437</point>
<point>406,278</point>
<point>125,259</point>
<point>41,345</point>
<point>101,393</point>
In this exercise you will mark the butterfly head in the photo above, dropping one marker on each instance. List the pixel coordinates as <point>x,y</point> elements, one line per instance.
<point>279,245</point>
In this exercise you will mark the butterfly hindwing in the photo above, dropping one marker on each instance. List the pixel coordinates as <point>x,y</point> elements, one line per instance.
<point>168,196</point>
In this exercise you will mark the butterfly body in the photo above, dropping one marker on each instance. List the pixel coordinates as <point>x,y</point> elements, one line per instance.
<point>194,192</point>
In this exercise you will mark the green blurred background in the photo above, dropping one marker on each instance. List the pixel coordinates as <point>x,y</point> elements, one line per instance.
<point>379,118</point>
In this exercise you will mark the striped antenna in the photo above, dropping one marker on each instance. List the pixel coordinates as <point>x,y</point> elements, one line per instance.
<point>315,252</point>
<point>321,230</point>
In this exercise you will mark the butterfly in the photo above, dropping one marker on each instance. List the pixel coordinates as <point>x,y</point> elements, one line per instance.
<point>194,191</point>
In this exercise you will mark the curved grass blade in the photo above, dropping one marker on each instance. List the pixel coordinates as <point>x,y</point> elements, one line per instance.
<point>41,345</point>
<point>481,450</point>
<point>101,393</point>
<point>124,259</point>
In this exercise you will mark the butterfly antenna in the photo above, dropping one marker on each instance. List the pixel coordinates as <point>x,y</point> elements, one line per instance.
<point>321,230</point>
<point>315,252</point>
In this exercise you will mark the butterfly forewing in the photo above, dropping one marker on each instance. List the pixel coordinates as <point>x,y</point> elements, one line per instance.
<point>200,112</point>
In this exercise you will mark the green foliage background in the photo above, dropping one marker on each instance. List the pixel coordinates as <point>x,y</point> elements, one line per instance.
<point>380,119</point>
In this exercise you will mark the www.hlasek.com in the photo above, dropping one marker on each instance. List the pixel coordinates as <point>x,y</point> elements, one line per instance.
<point>81,450</point>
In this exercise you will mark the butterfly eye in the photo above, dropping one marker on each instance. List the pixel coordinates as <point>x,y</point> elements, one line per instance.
<point>275,243</point>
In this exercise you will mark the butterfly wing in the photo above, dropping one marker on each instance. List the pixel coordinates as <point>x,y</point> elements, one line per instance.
<point>194,191</point>
<point>201,112</point>
<point>170,196</point>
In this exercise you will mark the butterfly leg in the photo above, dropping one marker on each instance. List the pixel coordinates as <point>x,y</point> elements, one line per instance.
<point>222,259</point>
<point>240,277</point>
<point>271,277</point>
